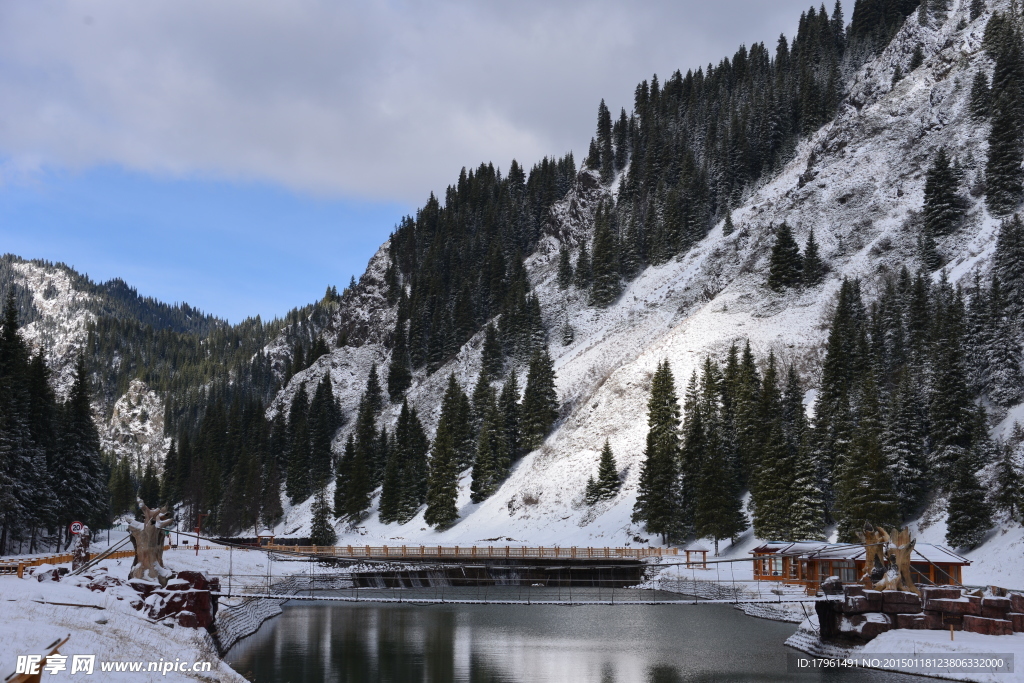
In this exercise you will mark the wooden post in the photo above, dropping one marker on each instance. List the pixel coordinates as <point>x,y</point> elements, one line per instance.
<point>21,570</point>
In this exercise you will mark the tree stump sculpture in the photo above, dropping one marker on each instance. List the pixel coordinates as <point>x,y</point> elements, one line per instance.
<point>897,572</point>
<point>80,550</point>
<point>876,546</point>
<point>148,539</point>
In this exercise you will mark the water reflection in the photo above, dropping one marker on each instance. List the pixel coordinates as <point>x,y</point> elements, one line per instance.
<point>516,644</point>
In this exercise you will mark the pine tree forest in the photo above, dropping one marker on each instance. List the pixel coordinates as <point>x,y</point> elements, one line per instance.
<point>898,420</point>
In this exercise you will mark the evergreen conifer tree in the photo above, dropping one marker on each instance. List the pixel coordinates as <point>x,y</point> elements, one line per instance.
<point>981,96</point>
<point>405,476</point>
<point>509,409</point>
<point>149,488</point>
<point>969,514</point>
<point>540,401</point>
<point>717,506</point>
<point>445,460</point>
<point>564,267</point>
<point>605,282</point>
<point>492,458</point>
<point>786,265</point>
<point>1008,266</point>
<point>374,395</point>
<point>343,472</point>
<point>322,531</point>
<point>80,482</point>
<point>1008,492</point>
<point>657,504</point>
<point>813,266</point>
<point>607,484</point>
<point>1003,172</point>
<point>492,359</point>
<point>917,58</point>
<point>863,487</point>
<point>942,209</point>
<point>728,228</point>
<point>323,423</point>
<point>903,446</point>
<point>299,485</point>
<point>400,369</point>
<point>582,275</point>
<point>168,483</point>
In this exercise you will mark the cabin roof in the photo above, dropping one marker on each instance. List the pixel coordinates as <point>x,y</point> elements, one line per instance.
<point>923,552</point>
<point>788,547</point>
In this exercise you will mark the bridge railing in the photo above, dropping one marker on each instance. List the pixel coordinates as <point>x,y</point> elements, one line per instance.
<point>475,552</point>
<point>19,565</point>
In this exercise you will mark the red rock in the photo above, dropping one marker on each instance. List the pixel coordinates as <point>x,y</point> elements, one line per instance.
<point>48,575</point>
<point>995,607</point>
<point>918,621</point>
<point>143,588</point>
<point>988,627</point>
<point>900,602</point>
<point>1017,602</point>
<point>956,607</point>
<point>863,627</point>
<point>196,580</point>
<point>856,604</point>
<point>1016,619</point>
<point>849,590</point>
<point>101,584</point>
<point>874,599</point>
<point>188,620</point>
<point>178,585</point>
<point>940,593</point>
<point>976,599</point>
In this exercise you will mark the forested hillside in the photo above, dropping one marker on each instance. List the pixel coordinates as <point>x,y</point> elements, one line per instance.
<point>781,292</point>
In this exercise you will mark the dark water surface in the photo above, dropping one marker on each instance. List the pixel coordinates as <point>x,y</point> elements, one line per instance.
<point>371,642</point>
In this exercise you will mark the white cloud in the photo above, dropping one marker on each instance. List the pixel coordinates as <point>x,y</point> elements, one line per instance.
<point>374,99</point>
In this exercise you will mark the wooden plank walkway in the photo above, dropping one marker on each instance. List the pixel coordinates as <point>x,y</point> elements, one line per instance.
<point>418,552</point>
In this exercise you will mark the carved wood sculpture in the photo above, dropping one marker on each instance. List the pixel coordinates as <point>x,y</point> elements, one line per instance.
<point>80,551</point>
<point>148,538</point>
<point>897,573</point>
<point>876,550</point>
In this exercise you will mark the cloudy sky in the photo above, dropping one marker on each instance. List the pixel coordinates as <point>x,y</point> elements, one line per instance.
<point>243,154</point>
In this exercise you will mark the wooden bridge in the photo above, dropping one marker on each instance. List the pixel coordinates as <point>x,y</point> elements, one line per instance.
<point>473,553</point>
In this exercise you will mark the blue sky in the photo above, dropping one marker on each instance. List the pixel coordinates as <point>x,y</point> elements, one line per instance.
<point>241,155</point>
<point>230,248</point>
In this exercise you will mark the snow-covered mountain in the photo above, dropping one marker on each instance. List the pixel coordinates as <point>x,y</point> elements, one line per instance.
<point>858,183</point>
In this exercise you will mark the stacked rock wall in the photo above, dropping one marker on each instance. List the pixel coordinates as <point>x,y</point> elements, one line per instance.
<point>859,615</point>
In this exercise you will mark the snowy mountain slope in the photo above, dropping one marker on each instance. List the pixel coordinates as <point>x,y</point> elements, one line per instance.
<point>62,327</point>
<point>858,183</point>
<point>135,429</point>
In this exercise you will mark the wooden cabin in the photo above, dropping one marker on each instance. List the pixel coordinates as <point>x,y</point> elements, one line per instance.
<point>807,564</point>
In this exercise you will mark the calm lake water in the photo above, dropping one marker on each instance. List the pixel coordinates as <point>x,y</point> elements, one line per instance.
<point>371,642</point>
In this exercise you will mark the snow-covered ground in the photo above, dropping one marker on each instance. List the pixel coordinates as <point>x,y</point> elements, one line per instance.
<point>917,642</point>
<point>105,625</point>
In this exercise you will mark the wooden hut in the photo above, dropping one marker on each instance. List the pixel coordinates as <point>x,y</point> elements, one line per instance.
<point>808,564</point>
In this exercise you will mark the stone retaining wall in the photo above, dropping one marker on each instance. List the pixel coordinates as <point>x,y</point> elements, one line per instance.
<point>859,615</point>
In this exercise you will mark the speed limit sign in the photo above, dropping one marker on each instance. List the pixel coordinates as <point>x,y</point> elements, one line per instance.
<point>76,527</point>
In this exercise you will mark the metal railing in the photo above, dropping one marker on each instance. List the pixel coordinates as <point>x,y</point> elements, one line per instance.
<point>474,552</point>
